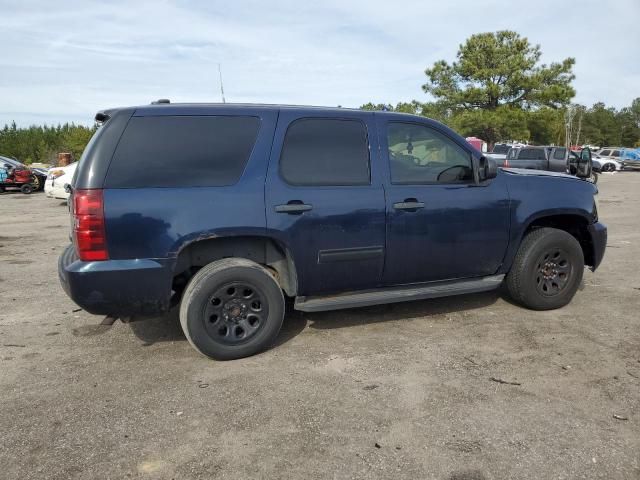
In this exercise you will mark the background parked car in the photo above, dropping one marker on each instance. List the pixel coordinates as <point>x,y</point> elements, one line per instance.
<point>57,179</point>
<point>39,174</point>
<point>630,158</point>
<point>607,156</point>
<point>553,159</point>
<point>605,164</point>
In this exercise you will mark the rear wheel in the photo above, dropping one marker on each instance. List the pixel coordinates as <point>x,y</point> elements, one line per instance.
<point>232,308</point>
<point>608,167</point>
<point>27,188</point>
<point>547,270</point>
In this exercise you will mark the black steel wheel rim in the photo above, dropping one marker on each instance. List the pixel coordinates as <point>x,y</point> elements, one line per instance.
<point>553,272</point>
<point>235,313</point>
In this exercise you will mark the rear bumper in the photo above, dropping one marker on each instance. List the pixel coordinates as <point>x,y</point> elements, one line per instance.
<point>598,233</point>
<point>635,164</point>
<point>116,287</point>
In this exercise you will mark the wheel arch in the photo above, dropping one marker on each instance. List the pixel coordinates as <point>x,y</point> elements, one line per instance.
<point>264,250</point>
<point>573,223</point>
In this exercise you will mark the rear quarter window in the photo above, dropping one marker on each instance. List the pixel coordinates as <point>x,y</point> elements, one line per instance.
<point>182,151</point>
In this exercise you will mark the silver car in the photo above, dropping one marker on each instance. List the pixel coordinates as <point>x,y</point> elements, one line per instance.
<point>607,159</point>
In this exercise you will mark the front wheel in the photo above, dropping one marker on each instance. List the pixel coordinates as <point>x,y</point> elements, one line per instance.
<point>232,308</point>
<point>547,270</point>
<point>36,183</point>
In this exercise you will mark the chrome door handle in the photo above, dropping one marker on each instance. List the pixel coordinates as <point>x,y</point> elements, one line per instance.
<point>408,205</point>
<point>293,208</point>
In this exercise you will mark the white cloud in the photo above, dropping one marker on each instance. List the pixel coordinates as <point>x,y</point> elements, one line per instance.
<point>64,61</point>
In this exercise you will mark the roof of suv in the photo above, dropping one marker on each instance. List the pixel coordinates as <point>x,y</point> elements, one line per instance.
<point>195,108</point>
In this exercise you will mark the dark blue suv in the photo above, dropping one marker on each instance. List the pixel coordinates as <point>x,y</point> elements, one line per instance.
<point>227,209</point>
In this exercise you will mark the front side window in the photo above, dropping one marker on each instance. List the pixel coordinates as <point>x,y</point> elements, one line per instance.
<point>605,153</point>
<point>615,153</point>
<point>325,151</point>
<point>421,155</point>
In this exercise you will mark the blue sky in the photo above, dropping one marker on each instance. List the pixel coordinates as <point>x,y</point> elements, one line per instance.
<point>62,61</point>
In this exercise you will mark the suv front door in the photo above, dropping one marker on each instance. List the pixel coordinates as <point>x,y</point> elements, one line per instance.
<point>558,159</point>
<point>325,201</point>
<point>441,223</point>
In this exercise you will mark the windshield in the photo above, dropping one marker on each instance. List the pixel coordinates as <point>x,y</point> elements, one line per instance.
<point>10,161</point>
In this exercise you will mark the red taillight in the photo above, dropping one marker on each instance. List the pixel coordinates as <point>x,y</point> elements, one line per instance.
<point>88,225</point>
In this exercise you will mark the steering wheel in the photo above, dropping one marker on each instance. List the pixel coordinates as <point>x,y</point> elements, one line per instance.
<point>459,176</point>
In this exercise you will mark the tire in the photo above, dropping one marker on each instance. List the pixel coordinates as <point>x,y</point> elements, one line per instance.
<point>232,308</point>
<point>36,183</point>
<point>26,188</point>
<point>547,270</point>
<point>608,167</point>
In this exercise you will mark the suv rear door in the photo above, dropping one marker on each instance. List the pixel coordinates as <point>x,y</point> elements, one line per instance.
<point>325,201</point>
<point>441,223</point>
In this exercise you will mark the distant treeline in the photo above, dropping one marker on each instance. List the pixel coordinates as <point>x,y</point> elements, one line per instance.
<point>599,125</point>
<point>43,143</point>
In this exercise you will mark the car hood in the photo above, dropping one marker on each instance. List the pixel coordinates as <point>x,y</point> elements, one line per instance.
<point>537,173</point>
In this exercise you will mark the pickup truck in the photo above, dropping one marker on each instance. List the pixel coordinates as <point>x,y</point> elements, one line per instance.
<point>225,210</point>
<point>553,159</point>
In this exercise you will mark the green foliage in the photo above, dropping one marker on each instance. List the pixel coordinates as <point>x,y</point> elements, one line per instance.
<point>602,125</point>
<point>496,89</point>
<point>503,122</point>
<point>43,143</point>
<point>501,68</point>
<point>545,126</point>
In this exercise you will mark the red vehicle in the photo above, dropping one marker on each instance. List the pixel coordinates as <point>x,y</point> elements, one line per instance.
<point>13,177</point>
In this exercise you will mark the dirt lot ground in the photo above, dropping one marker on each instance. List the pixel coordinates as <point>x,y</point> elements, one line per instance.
<point>401,391</point>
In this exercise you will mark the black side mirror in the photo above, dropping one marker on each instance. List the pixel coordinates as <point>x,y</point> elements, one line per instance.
<point>488,168</point>
<point>584,164</point>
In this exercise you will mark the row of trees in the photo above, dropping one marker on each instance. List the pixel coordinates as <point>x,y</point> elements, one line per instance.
<point>595,125</point>
<point>43,143</point>
<point>497,89</point>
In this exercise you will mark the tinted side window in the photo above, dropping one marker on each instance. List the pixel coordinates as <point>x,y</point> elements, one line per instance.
<point>531,154</point>
<point>422,155</point>
<point>182,151</point>
<point>605,153</point>
<point>615,153</point>
<point>501,148</point>
<point>559,153</point>
<point>324,151</point>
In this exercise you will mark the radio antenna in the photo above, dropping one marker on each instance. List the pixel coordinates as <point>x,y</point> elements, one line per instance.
<point>221,85</point>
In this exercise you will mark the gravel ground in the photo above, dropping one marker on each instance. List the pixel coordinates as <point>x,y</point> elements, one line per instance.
<point>400,391</point>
